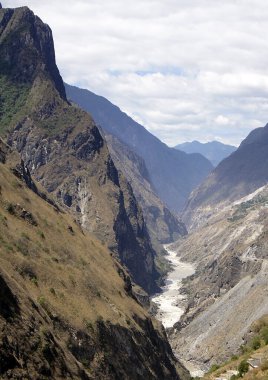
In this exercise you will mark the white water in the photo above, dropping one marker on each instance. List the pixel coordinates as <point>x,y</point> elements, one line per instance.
<point>170,301</point>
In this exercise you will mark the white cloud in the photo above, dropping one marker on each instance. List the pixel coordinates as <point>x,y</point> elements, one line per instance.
<point>222,120</point>
<point>186,69</point>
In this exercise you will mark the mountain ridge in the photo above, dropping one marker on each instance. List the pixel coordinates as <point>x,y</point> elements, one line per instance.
<point>214,151</point>
<point>44,127</point>
<point>236,176</point>
<point>173,173</point>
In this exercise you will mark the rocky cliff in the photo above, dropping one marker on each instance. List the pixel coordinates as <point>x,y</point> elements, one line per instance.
<point>63,147</point>
<point>173,174</point>
<point>163,226</point>
<point>67,310</point>
<point>229,290</point>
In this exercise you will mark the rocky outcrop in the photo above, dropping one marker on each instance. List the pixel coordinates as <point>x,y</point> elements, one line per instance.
<point>63,148</point>
<point>27,48</point>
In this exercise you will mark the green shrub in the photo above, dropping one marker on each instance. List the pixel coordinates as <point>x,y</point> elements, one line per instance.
<point>10,208</point>
<point>41,234</point>
<point>213,368</point>
<point>256,342</point>
<point>243,368</point>
<point>264,334</point>
<point>234,377</point>
<point>34,281</point>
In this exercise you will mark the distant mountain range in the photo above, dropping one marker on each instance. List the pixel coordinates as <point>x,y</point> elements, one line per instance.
<point>173,174</point>
<point>214,151</point>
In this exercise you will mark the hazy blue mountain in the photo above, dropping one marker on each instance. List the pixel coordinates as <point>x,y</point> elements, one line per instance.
<point>214,151</point>
<point>173,173</point>
<point>236,176</point>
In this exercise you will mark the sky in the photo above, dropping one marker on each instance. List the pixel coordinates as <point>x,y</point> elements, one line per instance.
<point>185,69</point>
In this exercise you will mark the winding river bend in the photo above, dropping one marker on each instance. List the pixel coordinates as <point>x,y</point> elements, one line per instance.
<point>170,301</point>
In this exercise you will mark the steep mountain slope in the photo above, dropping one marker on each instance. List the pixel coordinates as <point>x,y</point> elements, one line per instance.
<point>229,289</point>
<point>214,151</point>
<point>63,147</point>
<point>238,175</point>
<point>173,173</point>
<point>163,226</point>
<point>66,305</point>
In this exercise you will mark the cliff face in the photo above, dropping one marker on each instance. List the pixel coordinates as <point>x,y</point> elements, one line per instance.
<point>63,147</point>
<point>27,48</point>
<point>66,305</point>
<point>164,227</point>
<point>173,173</point>
<point>228,291</point>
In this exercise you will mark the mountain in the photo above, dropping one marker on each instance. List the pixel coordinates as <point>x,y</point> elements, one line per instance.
<point>238,175</point>
<point>67,310</point>
<point>67,305</point>
<point>214,151</point>
<point>173,174</point>
<point>163,225</point>
<point>228,291</point>
<point>62,146</point>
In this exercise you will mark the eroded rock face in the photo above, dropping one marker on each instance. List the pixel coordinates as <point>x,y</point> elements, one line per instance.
<point>228,291</point>
<point>76,167</point>
<point>163,226</point>
<point>125,341</point>
<point>173,174</point>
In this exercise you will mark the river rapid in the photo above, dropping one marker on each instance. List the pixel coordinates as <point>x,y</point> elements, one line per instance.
<point>170,302</point>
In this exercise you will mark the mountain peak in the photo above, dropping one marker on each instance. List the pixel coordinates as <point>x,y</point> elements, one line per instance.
<point>32,55</point>
<point>214,151</point>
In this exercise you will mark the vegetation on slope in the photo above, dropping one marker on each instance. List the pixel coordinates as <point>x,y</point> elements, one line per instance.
<point>70,312</point>
<point>256,348</point>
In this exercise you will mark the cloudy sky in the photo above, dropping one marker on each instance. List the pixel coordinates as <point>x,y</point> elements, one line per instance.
<point>185,69</point>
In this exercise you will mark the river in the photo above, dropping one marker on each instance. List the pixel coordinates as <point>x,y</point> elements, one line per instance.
<point>170,301</point>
